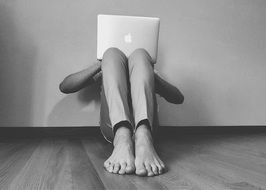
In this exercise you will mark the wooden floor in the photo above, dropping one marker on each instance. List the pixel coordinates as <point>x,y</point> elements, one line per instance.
<point>219,160</point>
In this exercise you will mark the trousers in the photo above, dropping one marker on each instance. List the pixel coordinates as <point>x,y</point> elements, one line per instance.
<point>127,93</point>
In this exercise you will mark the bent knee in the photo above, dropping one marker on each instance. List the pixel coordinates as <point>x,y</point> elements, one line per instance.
<point>113,56</point>
<point>112,53</point>
<point>140,56</point>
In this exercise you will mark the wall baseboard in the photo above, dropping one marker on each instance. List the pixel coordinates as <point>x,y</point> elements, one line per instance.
<point>164,131</point>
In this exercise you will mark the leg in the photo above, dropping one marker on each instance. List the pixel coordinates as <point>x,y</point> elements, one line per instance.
<point>116,120</point>
<point>141,74</point>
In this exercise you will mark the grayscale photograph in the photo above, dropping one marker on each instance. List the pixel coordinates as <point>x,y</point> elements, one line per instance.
<point>133,95</point>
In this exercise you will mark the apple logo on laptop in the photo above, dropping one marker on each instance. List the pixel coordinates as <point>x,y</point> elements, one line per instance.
<point>128,38</point>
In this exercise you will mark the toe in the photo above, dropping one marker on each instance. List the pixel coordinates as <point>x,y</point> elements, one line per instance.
<point>130,169</point>
<point>163,165</point>
<point>106,164</point>
<point>116,168</point>
<point>160,169</point>
<point>111,167</point>
<point>141,170</point>
<point>122,168</point>
<point>149,170</point>
<point>154,169</point>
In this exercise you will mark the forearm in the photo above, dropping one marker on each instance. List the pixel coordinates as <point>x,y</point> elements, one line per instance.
<point>79,80</point>
<point>167,90</point>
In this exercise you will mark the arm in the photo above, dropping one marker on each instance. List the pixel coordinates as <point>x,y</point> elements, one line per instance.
<point>168,91</point>
<point>79,80</point>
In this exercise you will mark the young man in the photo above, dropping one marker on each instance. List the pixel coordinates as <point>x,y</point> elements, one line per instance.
<point>128,108</point>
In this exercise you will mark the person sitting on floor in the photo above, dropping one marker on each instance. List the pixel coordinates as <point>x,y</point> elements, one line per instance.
<point>128,115</point>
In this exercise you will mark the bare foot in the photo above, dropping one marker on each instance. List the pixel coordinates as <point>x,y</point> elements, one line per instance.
<point>122,159</point>
<point>147,161</point>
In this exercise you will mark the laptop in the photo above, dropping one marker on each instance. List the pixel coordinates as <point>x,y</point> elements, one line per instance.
<point>127,33</point>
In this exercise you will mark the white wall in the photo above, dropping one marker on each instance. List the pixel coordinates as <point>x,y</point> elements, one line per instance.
<point>213,51</point>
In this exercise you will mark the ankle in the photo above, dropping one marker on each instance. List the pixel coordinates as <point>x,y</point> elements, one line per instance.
<point>143,129</point>
<point>122,133</point>
<point>143,132</point>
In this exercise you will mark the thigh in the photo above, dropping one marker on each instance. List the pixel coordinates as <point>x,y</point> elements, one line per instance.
<point>114,64</point>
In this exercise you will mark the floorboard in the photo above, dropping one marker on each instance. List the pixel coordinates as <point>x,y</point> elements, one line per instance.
<point>72,159</point>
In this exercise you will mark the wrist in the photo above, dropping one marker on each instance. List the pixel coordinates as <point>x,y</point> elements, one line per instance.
<point>98,64</point>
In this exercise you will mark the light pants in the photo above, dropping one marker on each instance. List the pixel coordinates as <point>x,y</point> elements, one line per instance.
<point>127,93</point>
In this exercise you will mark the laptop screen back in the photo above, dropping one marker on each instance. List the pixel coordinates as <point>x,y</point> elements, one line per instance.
<point>127,33</point>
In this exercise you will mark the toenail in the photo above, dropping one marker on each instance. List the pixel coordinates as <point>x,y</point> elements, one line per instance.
<point>142,172</point>
<point>150,174</point>
<point>129,167</point>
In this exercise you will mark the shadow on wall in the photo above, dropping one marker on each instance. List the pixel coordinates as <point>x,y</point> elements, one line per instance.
<point>195,111</point>
<point>192,111</point>
<point>17,58</point>
<point>75,108</point>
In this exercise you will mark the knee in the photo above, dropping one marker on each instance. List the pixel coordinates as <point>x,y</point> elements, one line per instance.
<point>113,56</point>
<point>112,52</point>
<point>140,56</point>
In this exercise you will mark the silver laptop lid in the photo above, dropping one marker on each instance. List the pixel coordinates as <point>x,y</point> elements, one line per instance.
<point>127,33</point>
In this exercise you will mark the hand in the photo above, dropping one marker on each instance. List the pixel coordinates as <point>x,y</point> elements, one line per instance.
<point>76,81</point>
